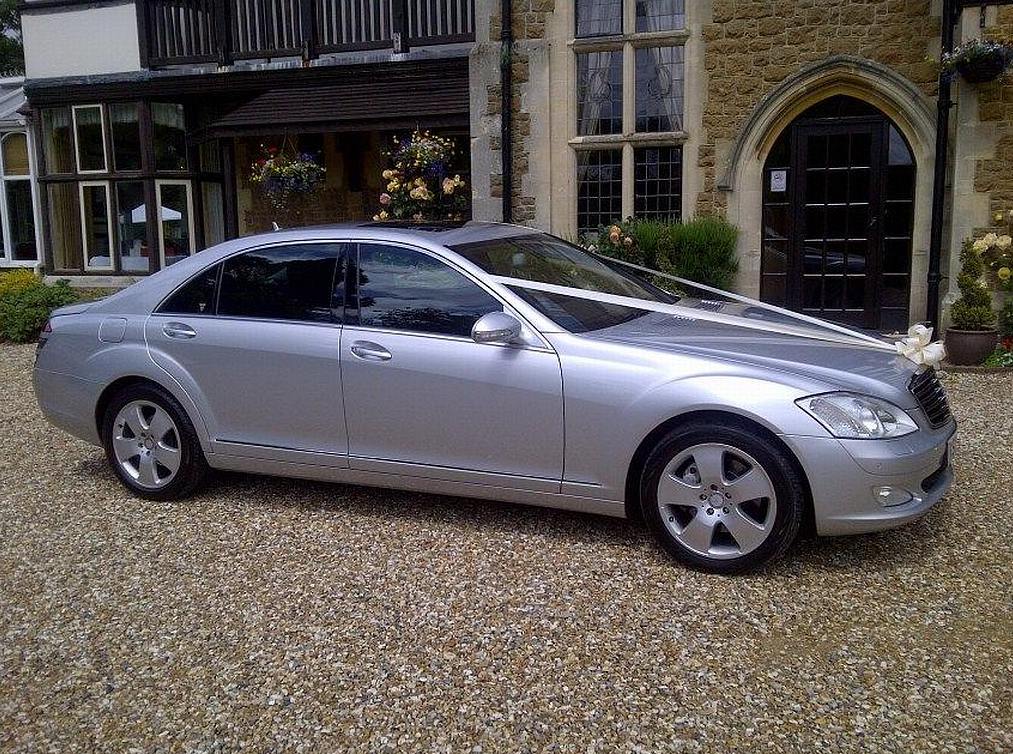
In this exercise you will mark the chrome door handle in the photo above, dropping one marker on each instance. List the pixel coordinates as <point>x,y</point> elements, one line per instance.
<point>368,351</point>
<point>178,330</point>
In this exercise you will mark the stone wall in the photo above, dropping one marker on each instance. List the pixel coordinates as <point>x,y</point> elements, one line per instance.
<point>993,176</point>
<point>753,45</point>
<point>529,30</point>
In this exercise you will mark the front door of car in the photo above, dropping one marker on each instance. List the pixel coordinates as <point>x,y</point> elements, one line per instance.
<point>254,340</point>
<point>423,398</point>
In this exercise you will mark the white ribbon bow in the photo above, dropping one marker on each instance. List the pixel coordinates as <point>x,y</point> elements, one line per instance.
<point>918,346</point>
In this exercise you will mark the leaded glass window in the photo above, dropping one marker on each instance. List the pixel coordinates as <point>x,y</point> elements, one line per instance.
<point>599,93</point>
<point>599,188</point>
<point>657,179</point>
<point>659,92</point>
<point>661,15</point>
<point>597,18</point>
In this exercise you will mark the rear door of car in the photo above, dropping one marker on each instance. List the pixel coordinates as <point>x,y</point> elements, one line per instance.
<point>255,341</point>
<point>422,398</point>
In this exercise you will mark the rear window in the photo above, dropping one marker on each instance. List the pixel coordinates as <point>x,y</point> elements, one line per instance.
<point>197,296</point>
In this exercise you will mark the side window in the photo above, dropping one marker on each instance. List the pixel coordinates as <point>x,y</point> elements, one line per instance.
<point>197,296</point>
<point>295,282</point>
<point>407,290</point>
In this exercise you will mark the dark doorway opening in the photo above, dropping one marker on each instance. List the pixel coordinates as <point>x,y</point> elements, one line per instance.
<point>838,209</point>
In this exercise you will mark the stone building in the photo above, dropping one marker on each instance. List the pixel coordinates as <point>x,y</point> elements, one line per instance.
<point>810,125</point>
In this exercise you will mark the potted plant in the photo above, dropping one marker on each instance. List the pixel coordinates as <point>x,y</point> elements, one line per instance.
<point>421,184</point>
<point>972,335</point>
<point>979,60</point>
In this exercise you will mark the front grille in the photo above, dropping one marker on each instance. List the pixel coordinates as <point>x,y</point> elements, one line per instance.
<point>929,393</point>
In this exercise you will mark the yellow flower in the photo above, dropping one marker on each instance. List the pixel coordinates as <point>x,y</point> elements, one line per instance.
<point>448,186</point>
<point>1004,242</point>
<point>388,174</point>
<point>1005,273</point>
<point>980,245</point>
<point>384,215</point>
<point>614,235</point>
<point>990,239</point>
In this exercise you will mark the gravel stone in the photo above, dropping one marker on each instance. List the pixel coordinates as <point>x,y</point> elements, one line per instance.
<point>268,615</point>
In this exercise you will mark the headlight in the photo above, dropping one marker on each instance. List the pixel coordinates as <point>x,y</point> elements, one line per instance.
<point>858,417</point>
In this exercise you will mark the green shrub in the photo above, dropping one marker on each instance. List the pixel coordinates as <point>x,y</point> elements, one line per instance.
<point>973,310</point>
<point>702,249</point>
<point>26,303</point>
<point>1006,319</point>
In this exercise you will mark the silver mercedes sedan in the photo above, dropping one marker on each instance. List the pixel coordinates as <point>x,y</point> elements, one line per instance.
<point>494,361</point>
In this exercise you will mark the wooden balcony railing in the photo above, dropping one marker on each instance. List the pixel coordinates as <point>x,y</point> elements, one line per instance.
<point>176,32</point>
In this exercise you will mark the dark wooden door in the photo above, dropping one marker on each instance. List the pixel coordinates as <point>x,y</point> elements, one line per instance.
<point>837,207</point>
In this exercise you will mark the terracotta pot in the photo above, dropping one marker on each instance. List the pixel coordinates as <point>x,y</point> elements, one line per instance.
<point>969,347</point>
<point>984,69</point>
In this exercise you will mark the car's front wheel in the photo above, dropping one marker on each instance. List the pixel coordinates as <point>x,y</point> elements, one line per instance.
<point>723,499</point>
<point>151,444</point>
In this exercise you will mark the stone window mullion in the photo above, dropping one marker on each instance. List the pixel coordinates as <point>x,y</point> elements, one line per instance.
<point>628,182</point>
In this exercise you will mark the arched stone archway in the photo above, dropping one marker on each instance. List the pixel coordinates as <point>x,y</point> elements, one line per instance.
<point>882,88</point>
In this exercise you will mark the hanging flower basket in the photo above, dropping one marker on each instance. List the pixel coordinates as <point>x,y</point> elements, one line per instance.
<point>980,60</point>
<point>286,178</point>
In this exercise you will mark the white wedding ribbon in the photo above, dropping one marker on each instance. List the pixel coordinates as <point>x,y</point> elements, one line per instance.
<point>702,315</point>
<point>822,324</point>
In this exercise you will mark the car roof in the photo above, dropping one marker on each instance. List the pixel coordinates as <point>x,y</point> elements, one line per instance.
<point>146,293</point>
<point>440,233</point>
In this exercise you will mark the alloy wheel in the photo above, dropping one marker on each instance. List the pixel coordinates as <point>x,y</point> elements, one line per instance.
<point>146,444</point>
<point>717,501</point>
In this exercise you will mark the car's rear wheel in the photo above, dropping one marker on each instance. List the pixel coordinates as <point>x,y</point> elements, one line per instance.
<point>723,499</point>
<point>151,444</point>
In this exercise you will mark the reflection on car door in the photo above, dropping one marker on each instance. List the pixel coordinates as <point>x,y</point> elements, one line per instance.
<point>255,341</point>
<point>423,398</point>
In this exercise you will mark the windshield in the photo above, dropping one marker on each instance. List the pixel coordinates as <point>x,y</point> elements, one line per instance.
<point>543,258</point>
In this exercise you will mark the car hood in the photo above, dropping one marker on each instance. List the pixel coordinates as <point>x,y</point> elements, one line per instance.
<point>839,366</point>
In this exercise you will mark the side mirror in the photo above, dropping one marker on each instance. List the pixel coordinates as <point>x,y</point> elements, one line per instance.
<point>496,327</point>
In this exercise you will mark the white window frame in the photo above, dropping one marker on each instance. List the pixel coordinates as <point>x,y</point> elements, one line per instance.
<point>77,141</point>
<point>630,139</point>
<point>188,184</point>
<point>81,186</point>
<point>7,248</point>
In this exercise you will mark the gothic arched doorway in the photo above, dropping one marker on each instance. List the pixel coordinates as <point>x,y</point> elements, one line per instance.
<point>838,207</point>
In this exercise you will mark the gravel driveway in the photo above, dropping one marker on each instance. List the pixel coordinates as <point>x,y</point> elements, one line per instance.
<point>270,615</point>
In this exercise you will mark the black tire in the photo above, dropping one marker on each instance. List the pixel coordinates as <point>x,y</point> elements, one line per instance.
<point>193,469</point>
<point>788,487</point>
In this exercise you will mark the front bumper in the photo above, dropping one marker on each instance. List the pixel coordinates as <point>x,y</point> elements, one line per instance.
<point>845,474</point>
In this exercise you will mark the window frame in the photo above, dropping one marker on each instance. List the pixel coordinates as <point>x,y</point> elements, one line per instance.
<point>77,141</point>
<point>6,244</point>
<point>628,42</point>
<point>188,185</point>
<point>148,174</point>
<point>81,186</point>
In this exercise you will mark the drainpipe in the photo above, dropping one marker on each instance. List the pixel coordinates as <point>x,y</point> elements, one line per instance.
<point>506,106</point>
<point>949,19</point>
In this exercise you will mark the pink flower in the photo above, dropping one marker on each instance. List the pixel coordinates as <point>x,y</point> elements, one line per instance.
<point>385,199</point>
